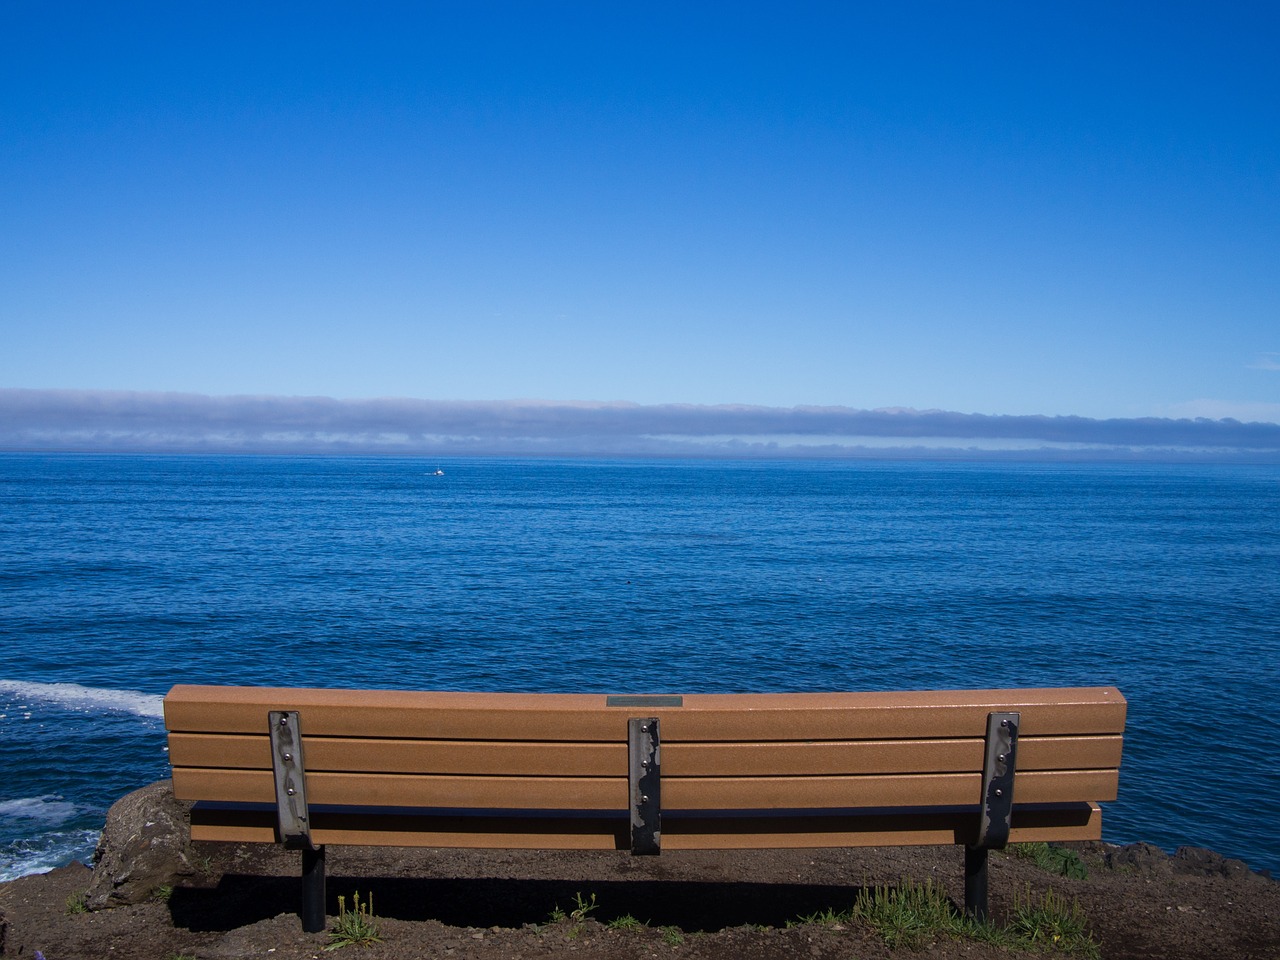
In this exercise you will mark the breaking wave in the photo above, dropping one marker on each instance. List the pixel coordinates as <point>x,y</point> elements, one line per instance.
<point>73,696</point>
<point>47,809</point>
<point>45,852</point>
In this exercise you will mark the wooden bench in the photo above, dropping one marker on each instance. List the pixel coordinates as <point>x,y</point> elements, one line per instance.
<point>643,773</point>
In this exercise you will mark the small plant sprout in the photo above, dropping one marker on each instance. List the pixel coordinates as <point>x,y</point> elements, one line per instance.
<point>829,917</point>
<point>583,908</point>
<point>357,927</point>
<point>624,922</point>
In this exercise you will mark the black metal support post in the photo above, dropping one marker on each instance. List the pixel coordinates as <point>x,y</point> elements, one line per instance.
<point>975,883</point>
<point>996,808</point>
<point>293,817</point>
<point>312,913</point>
<point>644,748</point>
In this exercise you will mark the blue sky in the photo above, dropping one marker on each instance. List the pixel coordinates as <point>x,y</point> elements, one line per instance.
<point>1010,209</point>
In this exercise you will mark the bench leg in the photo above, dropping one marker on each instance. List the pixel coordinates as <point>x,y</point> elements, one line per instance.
<point>975,883</point>
<point>312,915</point>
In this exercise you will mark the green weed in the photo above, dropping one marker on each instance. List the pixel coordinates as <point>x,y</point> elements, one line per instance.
<point>583,908</point>
<point>912,915</point>
<point>357,927</point>
<point>1054,923</point>
<point>908,915</point>
<point>78,903</point>
<point>828,917</point>
<point>625,922</point>
<point>672,936</point>
<point>1056,860</point>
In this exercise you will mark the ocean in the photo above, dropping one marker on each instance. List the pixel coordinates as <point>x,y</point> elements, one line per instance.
<point>120,576</point>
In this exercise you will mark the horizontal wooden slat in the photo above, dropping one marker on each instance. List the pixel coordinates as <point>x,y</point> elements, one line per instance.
<point>408,830</point>
<point>705,717</point>
<point>880,756</point>
<point>239,751</point>
<point>1080,822</point>
<point>600,793</point>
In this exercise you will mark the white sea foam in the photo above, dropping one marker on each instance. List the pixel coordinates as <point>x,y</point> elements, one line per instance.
<point>47,809</point>
<point>44,853</point>
<point>73,696</point>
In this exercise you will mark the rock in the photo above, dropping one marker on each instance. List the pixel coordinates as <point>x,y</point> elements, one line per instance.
<point>145,845</point>
<point>1139,858</point>
<point>1198,860</point>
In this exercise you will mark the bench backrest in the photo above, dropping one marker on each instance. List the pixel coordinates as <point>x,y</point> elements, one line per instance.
<point>762,753</point>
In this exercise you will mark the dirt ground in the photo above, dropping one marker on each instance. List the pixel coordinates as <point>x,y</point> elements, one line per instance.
<point>696,906</point>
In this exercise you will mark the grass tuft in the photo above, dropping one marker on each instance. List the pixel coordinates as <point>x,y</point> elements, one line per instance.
<point>1059,861</point>
<point>1054,923</point>
<point>829,917</point>
<point>78,903</point>
<point>625,922</point>
<point>357,927</point>
<point>910,914</point>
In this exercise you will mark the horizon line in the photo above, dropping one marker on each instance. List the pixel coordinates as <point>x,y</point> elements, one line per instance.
<point>123,421</point>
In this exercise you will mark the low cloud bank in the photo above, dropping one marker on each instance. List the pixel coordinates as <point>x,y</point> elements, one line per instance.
<point>111,421</point>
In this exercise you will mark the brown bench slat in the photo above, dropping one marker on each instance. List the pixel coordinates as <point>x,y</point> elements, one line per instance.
<point>603,793</point>
<point>1080,822</point>
<point>241,751</point>
<point>707,717</point>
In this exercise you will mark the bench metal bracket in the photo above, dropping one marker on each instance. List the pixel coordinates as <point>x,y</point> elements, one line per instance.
<point>292,817</point>
<point>998,766</point>
<point>997,779</point>
<point>644,751</point>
